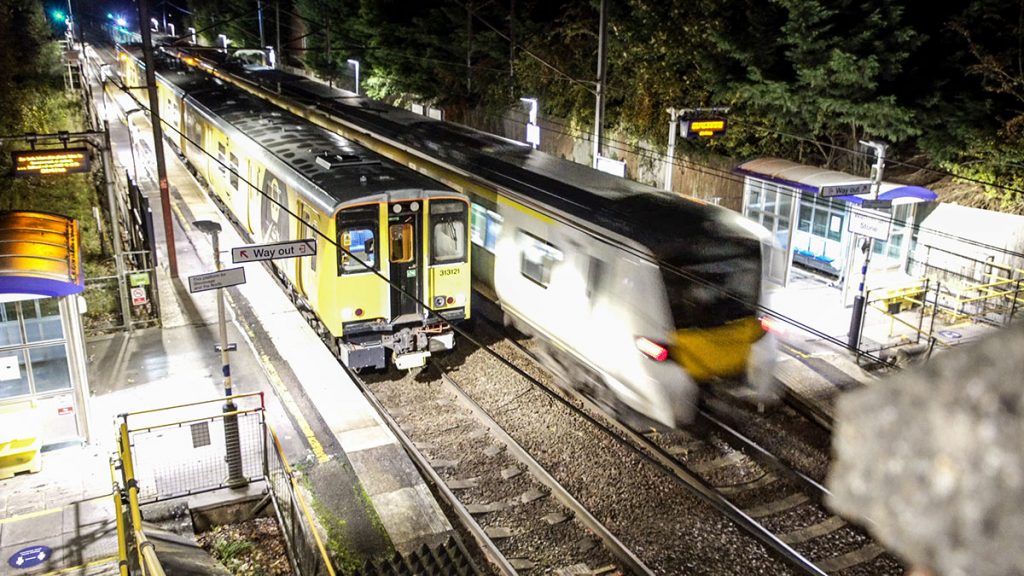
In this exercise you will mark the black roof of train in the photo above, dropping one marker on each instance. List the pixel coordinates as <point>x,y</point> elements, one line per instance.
<point>353,172</point>
<point>674,228</point>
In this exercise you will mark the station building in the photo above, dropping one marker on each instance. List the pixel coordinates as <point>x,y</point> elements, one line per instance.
<point>43,380</point>
<point>813,230</point>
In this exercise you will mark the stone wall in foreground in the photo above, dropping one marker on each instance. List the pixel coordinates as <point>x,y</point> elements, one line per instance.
<point>932,460</point>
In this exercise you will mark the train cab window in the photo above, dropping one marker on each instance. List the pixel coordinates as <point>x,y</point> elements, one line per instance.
<point>448,231</point>
<point>402,241</point>
<point>357,233</point>
<point>360,244</point>
<point>538,258</point>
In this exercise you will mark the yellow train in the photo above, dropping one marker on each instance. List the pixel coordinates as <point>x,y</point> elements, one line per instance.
<point>394,270</point>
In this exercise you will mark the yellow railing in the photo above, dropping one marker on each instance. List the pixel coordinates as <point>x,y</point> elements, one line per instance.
<point>148,561</point>
<point>306,546</point>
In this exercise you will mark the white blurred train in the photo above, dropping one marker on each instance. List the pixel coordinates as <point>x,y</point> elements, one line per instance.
<point>638,296</point>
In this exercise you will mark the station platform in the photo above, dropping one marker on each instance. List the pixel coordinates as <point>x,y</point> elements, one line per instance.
<point>351,465</point>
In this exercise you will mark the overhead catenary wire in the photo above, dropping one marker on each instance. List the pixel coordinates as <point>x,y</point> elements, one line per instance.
<point>619,145</point>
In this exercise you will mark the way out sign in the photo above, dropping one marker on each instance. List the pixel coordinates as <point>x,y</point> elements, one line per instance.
<point>29,557</point>
<point>260,252</point>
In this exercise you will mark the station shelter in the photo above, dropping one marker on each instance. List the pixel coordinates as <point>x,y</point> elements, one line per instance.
<point>43,381</point>
<point>813,230</point>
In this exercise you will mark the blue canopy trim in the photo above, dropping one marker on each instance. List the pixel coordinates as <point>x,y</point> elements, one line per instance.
<point>807,188</point>
<point>905,192</point>
<point>39,254</point>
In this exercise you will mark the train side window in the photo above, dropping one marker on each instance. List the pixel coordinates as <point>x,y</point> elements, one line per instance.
<point>486,227</point>
<point>448,231</point>
<point>595,275</point>
<point>538,258</point>
<point>222,159</point>
<point>402,240</point>
<point>234,172</point>
<point>359,241</point>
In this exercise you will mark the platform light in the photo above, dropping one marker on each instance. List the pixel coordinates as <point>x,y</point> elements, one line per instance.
<point>356,64</point>
<point>532,129</point>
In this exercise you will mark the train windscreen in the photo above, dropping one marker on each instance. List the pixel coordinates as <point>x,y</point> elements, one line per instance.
<point>709,294</point>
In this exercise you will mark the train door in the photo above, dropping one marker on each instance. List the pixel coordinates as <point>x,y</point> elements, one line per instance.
<point>305,266</point>
<point>403,231</point>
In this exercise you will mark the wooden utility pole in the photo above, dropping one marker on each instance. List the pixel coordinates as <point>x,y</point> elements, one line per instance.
<point>158,136</point>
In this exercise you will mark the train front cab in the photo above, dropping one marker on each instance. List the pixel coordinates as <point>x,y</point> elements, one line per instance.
<point>425,256</point>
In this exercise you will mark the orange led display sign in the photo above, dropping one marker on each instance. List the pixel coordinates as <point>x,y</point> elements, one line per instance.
<point>704,128</point>
<point>56,161</point>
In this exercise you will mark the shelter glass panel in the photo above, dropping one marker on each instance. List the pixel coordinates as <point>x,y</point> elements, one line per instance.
<point>10,329</point>
<point>42,320</point>
<point>50,368</point>
<point>13,374</point>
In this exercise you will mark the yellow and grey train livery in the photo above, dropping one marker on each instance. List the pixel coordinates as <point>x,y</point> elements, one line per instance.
<point>402,274</point>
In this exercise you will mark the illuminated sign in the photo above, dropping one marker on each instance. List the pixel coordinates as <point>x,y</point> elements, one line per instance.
<point>703,128</point>
<point>56,161</point>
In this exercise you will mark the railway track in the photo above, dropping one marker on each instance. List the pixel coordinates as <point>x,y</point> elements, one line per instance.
<point>530,518</point>
<point>766,494</point>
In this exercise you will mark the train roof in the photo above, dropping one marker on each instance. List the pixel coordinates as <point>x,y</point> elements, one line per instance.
<point>341,172</point>
<point>674,228</point>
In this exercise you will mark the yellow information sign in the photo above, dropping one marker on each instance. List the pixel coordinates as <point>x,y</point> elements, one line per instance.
<point>705,128</point>
<point>55,161</point>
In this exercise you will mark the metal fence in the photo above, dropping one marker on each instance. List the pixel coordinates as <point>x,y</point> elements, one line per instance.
<point>198,452</point>
<point>190,448</point>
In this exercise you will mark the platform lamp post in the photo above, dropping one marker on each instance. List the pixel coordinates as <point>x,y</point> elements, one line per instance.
<point>356,64</point>
<point>233,447</point>
<point>857,315</point>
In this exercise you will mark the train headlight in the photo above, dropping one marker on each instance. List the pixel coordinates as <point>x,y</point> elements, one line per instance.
<point>440,301</point>
<point>347,314</point>
<point>460,299</point>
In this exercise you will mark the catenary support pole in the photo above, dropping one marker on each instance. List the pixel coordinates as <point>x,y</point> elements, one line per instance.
<point>601,57</point>
<point>670,159</point>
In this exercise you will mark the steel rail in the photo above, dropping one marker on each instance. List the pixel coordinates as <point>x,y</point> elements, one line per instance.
<point>421,462</point>
<point>611,542</point>
<point>654,453</point>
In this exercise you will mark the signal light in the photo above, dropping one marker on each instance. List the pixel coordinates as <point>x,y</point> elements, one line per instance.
<point>652,349</point>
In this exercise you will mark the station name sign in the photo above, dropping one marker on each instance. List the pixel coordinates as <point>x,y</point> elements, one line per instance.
<point>56,161</point>
<point>703,127</point>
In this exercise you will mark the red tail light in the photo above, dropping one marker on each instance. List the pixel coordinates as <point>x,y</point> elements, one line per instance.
<point>773,325</point>
<point>652,349</point>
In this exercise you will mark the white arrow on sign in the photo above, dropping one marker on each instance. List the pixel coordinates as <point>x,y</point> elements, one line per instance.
<point>218,279</point>
<point>258,252</point>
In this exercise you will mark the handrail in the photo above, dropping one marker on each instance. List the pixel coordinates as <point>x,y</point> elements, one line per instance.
<point>199,419</point>
<point>122,537</point>
<point>148,561</point>
<point>302,503</point>
<point>199,403</point>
